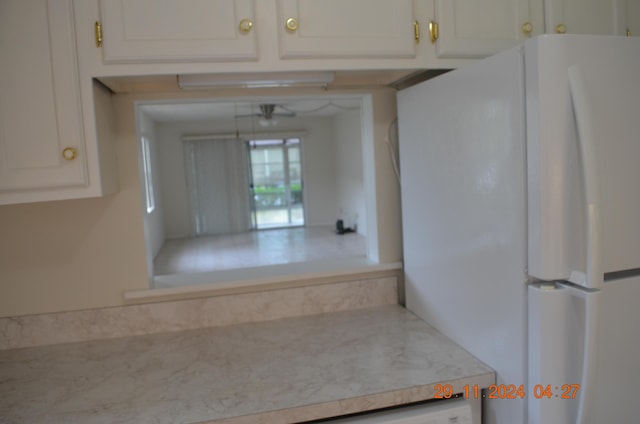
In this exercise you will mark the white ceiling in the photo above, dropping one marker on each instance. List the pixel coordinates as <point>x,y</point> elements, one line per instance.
<point>198,111</point>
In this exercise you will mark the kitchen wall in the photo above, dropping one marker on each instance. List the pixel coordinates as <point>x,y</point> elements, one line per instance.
<point>384,220</point>
<point>77,254</point>
<point>81,254</point>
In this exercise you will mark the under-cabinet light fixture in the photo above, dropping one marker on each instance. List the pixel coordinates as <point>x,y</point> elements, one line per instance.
<point>254,80</point>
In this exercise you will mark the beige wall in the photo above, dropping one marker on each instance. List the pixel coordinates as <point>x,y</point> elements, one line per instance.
<point>81,254</point>
<point>76,254</point>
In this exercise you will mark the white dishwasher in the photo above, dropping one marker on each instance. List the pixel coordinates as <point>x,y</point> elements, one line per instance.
<point>453,411</point>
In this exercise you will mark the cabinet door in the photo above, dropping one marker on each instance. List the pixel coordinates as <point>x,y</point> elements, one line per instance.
<point>177,30</point>
<point>40,113</point>
<point>346,28</point>
<point>478,28</point>
<point>628,13</point>
<point>582,17</point>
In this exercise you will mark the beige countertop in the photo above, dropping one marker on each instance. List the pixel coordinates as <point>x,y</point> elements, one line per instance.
<point>281,371</point>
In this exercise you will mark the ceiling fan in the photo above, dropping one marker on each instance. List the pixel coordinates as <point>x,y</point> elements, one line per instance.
<point>268,113</point>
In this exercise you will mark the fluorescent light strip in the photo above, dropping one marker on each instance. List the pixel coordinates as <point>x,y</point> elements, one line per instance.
<point>258,80</point>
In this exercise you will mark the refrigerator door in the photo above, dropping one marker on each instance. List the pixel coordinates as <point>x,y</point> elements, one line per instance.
<point>583,352</point>
<point>606,101</point>
<point>563,329</point>
<point>618,370</point>
<point>583,126</point>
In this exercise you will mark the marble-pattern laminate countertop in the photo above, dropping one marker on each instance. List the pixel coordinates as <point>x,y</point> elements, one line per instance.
<point>281,371</point>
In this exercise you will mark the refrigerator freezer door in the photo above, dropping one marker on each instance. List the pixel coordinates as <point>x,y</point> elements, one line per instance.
<point>565,217</point>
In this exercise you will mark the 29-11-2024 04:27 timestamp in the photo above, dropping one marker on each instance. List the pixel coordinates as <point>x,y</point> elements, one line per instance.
<point>507,391</point>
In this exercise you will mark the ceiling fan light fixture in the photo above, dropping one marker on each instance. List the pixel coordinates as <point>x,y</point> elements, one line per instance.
<point>254,80</point>
<point>268,122</point>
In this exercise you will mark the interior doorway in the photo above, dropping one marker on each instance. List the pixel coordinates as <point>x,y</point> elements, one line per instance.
<point>276,193</point>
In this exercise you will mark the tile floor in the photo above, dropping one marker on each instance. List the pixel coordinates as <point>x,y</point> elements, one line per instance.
<point>257,248</point>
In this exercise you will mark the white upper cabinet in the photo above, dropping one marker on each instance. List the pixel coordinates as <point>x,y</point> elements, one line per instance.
<point>346,28</point>
<point>627,15</point>
<point>156,37</point>
<point>177,30</point>
<point>48,140</point>
<point>604,17</point>
<point>581,17</point>
<point>41,140</point>
<point>478,28</point>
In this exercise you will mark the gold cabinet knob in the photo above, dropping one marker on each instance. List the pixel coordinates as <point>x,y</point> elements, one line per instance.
<point>245,26</point>
<point>561,29</point>
<point>527,28</point>
<point>69,153</point>
<point>291,25</point>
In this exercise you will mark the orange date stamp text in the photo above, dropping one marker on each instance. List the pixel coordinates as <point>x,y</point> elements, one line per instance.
<point>507,391</point>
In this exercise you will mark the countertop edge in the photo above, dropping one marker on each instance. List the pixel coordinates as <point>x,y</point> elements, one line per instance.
<point>357,404</point>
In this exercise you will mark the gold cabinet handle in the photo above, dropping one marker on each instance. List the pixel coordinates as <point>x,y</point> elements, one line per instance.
<point>416,31</point>
<point>291,24</point>
<point>434,32</point>
<point>527,28</point>
<point>98,32</point>
<point>69,153</point>
<point>561,29</point>
<point>245,26</point>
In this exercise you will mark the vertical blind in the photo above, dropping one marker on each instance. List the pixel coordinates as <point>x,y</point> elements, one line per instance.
<point>218,186</point>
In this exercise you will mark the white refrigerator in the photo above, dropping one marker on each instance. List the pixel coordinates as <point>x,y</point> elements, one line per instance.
<point>520,181</point>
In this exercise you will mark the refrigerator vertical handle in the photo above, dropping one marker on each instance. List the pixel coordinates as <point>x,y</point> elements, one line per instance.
<point>593,277</point>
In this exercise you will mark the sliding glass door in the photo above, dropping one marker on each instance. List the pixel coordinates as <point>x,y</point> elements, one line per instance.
<point>276,183</point>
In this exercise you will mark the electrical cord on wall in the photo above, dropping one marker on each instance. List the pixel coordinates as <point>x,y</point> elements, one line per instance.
<point>392,133</point>
<point>324,106</point>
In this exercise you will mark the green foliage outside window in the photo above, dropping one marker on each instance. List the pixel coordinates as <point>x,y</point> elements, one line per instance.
<point>269,197</point>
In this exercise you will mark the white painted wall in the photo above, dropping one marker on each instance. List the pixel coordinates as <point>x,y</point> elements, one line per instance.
<point>318,150</point>
<point>173,180</point>
<point>153,221</point>
<point>349,173</point>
